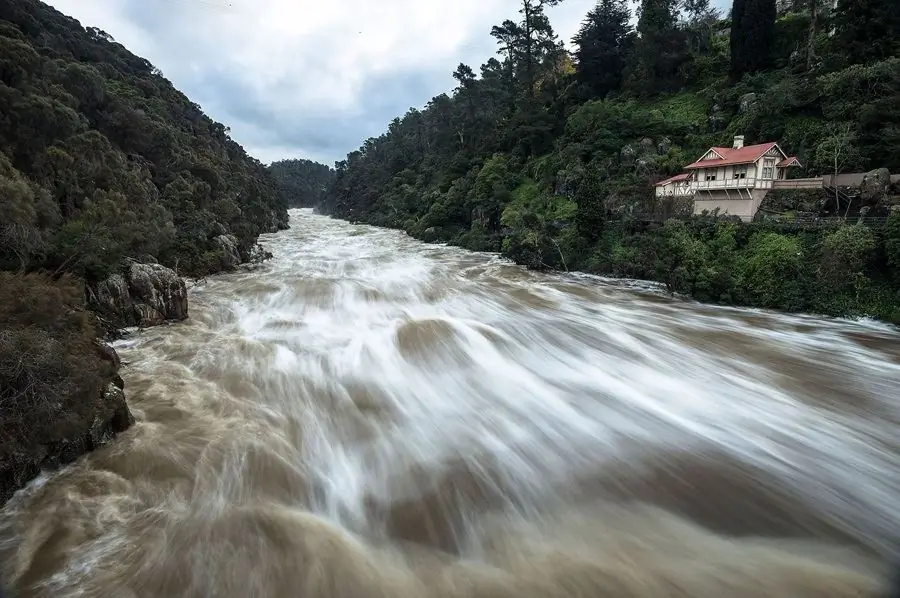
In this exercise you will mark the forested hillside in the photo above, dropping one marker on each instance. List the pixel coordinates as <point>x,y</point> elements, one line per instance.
<point>550,155</point>
<point>101,158</point>
<point>303,182</point>
<point>102,161</point>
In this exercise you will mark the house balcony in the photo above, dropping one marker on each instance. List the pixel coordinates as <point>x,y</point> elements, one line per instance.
<point>729,184</point>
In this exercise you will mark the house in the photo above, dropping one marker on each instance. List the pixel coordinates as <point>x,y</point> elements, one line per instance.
<point>676,186</point>
<point>733,179</point>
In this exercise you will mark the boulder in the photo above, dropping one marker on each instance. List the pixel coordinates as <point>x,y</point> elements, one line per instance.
<point>875,186</point>
<point>228,248</point>
<point>748,102</point>
<point>143,295</point>
<point>158,294</point>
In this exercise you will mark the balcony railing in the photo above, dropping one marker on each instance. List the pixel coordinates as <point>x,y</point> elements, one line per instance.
<point>717,184</point>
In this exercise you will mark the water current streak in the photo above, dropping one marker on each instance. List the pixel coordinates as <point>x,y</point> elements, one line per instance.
<point>366,415</point>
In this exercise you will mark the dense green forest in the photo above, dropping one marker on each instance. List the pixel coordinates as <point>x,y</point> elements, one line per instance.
<point>303,182</point>
<point>549,155</point>
<point>101,159</point>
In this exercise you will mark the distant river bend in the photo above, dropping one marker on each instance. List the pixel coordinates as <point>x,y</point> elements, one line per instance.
<point>367,415</point>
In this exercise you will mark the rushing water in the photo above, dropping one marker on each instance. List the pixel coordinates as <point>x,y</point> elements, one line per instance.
<point>366,415</point>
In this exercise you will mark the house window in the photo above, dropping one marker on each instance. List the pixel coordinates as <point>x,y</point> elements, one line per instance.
<point>710,175</point>
<point>740,172</point>
<point>768,168</point>
<point>781,173</point>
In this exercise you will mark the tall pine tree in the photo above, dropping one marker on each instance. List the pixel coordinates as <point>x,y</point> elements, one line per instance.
<point>752,36</point>
<point>867,30</point>
<point>660,48</point>
<point>602,46</point>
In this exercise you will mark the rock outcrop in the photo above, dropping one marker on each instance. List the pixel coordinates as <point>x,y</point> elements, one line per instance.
<point>144,294</point>
<point>875,186</point>
<point>228,247</point>
<point>109,416</point>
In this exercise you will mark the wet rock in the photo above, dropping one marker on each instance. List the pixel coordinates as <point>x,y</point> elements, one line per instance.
<point>228,248</point>
<point>159,294</point>
<point>144,295</point>
<point>647,145</point>
<point>111,416</point>
<point>627,153</point>
<point>108,353</point>
<point>875,186</point>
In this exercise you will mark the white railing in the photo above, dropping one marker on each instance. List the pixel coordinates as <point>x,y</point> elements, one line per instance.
<point>753,183</point>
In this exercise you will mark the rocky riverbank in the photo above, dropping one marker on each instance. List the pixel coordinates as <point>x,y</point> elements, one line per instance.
<point>91,408</point>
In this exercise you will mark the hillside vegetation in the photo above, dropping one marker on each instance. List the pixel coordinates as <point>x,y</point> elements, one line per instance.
<point>101,159</point>
<point>549,155</point>
<point>303,182</point>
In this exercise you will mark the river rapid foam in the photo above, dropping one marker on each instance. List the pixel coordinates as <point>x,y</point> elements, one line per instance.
<point>366,415</point>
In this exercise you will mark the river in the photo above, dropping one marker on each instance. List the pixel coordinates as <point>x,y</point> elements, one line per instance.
<point>367,415</point>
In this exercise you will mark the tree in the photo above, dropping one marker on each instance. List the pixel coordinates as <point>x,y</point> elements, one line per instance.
<point>660,48</point>
<point>866,31</point>
<point>700,17</point>
<point>302,182</point>
<point>590,198</point>
<point>602,46</point>
<point>528,43</point>
<point>838,150</point>
<point>813,31</point>
<point>752,36</point>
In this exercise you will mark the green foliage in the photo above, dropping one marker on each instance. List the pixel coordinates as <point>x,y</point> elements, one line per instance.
<point>771,269</point>
<point>866,30</point>
<point>659,51</point>
<point>50,375</point>
<point>752,36</point>
<point>552,161</point>
<point>101,158</point>
<point>302,182</point>
<point>603,44</point>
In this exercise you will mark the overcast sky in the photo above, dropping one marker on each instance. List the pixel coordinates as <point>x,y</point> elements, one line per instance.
<point>304,78</point>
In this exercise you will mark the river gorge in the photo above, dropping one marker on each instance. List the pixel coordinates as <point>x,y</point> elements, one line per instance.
<point>367,415</point>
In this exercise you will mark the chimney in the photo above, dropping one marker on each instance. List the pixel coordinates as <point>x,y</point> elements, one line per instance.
<point>738,141</point>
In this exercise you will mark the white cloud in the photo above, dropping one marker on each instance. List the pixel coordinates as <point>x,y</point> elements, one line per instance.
<point>308,77</point>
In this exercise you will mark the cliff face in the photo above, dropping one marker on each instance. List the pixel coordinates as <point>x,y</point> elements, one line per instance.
<point>142,295</point>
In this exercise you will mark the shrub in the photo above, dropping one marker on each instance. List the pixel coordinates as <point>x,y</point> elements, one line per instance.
<point>51,375</point>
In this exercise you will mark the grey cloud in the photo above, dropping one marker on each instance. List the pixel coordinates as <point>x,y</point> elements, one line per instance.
<point>325,131</point>
<point>321,93</point>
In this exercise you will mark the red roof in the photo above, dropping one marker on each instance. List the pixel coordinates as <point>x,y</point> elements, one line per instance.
<point>744,155</point>
<point>789,161</point>
<point>675,179</point>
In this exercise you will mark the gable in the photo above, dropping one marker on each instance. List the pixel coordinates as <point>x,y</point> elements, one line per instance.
<point>712,154</point>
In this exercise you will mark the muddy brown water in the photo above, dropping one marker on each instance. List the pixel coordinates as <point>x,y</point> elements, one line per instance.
<point>367,415</point>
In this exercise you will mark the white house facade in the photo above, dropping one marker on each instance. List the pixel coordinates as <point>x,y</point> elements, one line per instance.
<point>734,180</point>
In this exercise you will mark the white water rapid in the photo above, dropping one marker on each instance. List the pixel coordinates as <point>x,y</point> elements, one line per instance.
<point>367,415</point>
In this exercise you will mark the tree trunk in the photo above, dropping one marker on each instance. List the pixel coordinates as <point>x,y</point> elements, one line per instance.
<point>811,43</point>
